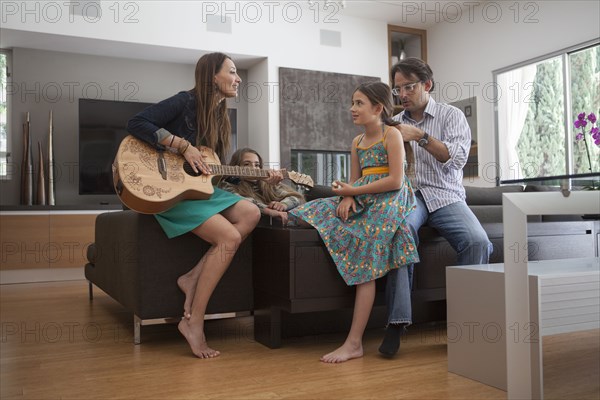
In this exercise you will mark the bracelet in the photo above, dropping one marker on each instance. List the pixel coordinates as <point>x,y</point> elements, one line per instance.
<point>183,146</point>
<point>172,139</point>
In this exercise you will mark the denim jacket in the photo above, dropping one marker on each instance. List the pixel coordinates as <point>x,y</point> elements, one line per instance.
<point>175,115</point>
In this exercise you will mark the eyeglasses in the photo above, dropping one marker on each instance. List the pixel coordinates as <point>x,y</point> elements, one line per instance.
<point>408,88</point>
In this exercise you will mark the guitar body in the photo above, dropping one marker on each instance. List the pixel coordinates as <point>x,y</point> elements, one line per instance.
<point>150,181</point>
<point>144,187</point>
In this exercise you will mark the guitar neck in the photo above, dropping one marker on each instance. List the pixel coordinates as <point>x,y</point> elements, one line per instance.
<point>243,172</point>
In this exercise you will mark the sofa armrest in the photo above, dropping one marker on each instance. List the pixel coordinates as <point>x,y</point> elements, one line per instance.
<point>115,246</point>
<point>138,266</point>
<point>319,191</point>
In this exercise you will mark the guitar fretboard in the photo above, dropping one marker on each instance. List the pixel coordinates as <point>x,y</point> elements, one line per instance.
<point>245,172</point>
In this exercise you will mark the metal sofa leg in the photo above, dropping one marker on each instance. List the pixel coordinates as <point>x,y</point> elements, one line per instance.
<point>139,322</point>
<point>137,329</point>
<point>90,291</point>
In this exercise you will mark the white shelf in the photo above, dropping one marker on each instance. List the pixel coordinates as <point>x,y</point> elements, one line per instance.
<point>523,357</point>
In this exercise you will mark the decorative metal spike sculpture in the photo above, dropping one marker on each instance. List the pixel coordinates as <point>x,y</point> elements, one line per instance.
<point>26,167</point>
<point>51,194</point>
<point>41,178</point>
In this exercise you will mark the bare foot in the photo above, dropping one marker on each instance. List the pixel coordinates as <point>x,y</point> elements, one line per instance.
<point>343,353</point>
<point>188,287</point>
<point>196,340</point>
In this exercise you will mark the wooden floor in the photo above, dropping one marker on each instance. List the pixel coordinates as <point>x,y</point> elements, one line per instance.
<point>56,344</point>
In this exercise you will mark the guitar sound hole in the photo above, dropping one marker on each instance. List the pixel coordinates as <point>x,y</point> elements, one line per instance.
<point>188,169</point>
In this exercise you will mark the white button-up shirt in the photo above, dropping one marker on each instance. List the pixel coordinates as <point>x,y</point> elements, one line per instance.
<point>440,183</point>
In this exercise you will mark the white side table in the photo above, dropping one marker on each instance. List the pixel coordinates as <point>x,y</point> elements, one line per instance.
<point>523,356</point>
<point>564,296</point>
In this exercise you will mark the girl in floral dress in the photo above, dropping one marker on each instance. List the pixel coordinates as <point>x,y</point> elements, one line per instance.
<point>364,227</point>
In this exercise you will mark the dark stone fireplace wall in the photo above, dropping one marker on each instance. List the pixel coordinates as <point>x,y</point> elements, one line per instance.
<point>315,111</point>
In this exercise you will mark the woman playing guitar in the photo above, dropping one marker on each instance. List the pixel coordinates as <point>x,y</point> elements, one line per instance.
<point>186,120</point>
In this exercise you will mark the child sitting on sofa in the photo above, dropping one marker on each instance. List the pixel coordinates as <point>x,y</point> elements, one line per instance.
<point>364,227</point>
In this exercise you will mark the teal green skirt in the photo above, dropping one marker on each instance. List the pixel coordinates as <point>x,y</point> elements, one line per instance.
<point>187,215</point>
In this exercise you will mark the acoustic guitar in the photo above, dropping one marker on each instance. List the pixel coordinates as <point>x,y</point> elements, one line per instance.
<point>151,181</point>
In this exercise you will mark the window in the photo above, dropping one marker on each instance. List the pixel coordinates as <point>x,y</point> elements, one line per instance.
<point>4,76</point>
<point>323,166</point>
<point>537,102</point>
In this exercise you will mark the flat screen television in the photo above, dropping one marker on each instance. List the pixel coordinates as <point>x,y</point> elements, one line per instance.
<point>102,126</point>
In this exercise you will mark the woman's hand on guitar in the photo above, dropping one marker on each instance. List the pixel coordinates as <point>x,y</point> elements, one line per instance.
<point>274,177</point>
<point>194,157</point>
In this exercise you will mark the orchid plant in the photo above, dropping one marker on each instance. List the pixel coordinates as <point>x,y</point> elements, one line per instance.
<point>581,123</point>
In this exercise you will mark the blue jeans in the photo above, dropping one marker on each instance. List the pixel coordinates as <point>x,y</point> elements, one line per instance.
<point>459,226</point>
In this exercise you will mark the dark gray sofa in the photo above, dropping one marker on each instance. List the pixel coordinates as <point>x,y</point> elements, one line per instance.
<point>134,262</point>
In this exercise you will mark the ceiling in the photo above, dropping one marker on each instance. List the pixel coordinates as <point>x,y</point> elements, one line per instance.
<point>32,40</point>
<point>411,14</point>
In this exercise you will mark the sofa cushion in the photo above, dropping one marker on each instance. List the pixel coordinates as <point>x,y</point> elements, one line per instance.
<point>541,188</point>
<point>487,213</point>
<point>489,195</point>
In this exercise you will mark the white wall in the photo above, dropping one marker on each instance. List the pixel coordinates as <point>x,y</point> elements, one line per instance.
<point>44,81</point>
<point>285,33</point>
<point>464,53</point>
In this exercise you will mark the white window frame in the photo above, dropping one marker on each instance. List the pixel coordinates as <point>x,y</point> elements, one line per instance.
<point>330,165</point>
<point>6,156</point>
<point>568,118</point>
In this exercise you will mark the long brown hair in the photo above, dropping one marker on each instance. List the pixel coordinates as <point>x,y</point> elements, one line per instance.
<point>266,192</point>
<point>214,127</point>
<point>380,93</point>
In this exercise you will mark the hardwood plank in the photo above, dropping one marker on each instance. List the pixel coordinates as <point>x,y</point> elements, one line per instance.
<point>54,343</point>
<point>575,358</point>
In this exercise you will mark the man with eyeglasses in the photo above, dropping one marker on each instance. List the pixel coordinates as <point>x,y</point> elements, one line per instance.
<point>441,139</point>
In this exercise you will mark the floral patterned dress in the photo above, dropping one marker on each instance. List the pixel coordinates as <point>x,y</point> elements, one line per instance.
<point>376,238</point>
